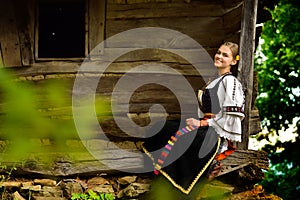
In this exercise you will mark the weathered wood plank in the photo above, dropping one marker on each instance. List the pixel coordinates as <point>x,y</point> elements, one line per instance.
<point>245,167</point>
<point>149,14</point>
<point>255,126</point>
<point>162,10</point>
<point>51,67</point>
<point>158,54</point>
<point>9,39</point>
<point>107,156</point>
<point>117,10</point>
<point>135,57</point>
<point>63,166</point>
<point>198,28</point>
<point>25,13</point>
<point>240,157</point>
<point>97,12</point>
<point>247,45</point>
<point>59,69</point>
<point>143,1</point>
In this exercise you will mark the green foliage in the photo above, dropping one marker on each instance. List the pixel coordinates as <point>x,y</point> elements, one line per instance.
<point>279,99</point>
<point>283,180</point>
<point>283,177</point>
<point>31,111</point>
<point>279,95</point>
<point>91,195</point>
<point>23,116</point>
<point>5,175</point>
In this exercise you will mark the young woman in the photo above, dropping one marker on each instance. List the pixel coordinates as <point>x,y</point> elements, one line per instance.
<point>188,153</point>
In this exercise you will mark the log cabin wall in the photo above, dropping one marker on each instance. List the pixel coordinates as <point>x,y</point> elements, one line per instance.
<point>208,22</point>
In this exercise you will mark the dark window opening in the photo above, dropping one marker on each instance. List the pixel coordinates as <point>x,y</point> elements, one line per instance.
<point>61,32</point>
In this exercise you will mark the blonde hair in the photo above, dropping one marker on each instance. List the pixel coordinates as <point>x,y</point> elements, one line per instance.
<point>235,54</point>
<point>234,49</point>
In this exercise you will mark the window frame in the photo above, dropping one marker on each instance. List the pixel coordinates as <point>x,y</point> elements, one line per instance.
<point>94,24</point>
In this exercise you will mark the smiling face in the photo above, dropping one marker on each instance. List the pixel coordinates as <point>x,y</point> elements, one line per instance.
<point>224,58</point>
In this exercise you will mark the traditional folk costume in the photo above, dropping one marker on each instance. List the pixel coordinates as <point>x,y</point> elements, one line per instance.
<point>184,154</point>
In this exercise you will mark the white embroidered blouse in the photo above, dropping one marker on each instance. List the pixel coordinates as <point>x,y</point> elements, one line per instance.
<point>227,123</point>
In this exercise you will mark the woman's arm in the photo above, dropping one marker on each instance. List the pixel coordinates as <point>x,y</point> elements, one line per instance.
<point>196,122</point>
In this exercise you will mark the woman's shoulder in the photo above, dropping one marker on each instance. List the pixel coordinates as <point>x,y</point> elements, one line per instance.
<point>233,87</point>
<point>231,79</point>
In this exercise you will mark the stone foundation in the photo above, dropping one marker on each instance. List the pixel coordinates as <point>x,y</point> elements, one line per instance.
<point>122,187</point>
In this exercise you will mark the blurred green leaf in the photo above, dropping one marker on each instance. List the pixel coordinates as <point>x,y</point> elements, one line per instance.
<point>33,111</point>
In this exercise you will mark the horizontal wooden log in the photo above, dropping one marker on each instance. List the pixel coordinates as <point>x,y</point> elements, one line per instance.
<point>107,122</point>
<point>105,156</point>
<point>76,159</point>
<point>194,18</point>
<point>160,10</point>
<point>242,157</point>
<point>161,52</point>
<point>136,110</point>
<point>244,168</point>
<point>64,69</point>
<point>189,26</point>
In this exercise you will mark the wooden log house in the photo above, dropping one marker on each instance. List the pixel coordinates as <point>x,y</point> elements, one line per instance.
<point>33,55</point>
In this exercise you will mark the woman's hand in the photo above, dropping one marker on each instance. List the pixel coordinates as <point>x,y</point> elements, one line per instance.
<point>193,122</point>
<point>196,122</point>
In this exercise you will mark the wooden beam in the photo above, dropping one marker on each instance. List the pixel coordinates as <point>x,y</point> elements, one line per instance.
<point>247,44</point>
<point>25,13</point>
<point>106,156</point>
<point>97,12</point>
<point>9,39</point>
<point>198,28</point>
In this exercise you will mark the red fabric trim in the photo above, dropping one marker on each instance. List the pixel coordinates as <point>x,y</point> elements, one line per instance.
<point>228,152</point>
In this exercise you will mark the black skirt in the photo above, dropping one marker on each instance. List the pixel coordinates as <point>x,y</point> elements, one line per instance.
<point>190,156</point>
